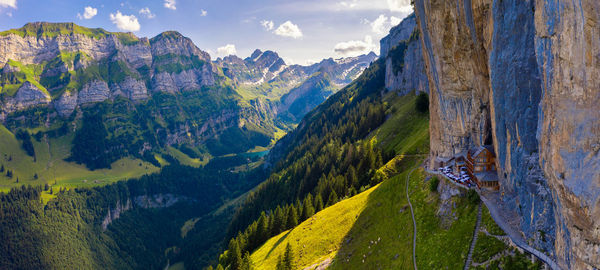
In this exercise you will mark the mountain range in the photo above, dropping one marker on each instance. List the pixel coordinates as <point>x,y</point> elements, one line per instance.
<point>256,164</point>
<point>62,70</point>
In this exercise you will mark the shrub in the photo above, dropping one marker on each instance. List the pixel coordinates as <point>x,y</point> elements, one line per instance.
<point>433,184</point>
<point>422,103</point>
<point>472,196</point>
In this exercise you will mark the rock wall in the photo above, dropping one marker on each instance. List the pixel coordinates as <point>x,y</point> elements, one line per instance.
<point>145,201</point>
<point>567,45</point>
<point>523,75</point>
<point>187,67</point>
<point>404,65</point>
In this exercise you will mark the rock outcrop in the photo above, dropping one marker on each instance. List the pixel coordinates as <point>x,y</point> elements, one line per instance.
<point>404,65</point>
<point>28,95</point>
<point>94,57</point>
<point>523,76</point>
<point>145,201</point>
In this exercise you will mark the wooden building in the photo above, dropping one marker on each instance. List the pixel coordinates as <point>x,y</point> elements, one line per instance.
<point>481,166</point>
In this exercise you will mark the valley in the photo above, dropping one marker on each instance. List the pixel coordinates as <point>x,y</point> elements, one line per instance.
<point>469,141</point>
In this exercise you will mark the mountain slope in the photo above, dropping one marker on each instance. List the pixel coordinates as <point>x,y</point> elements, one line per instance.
<point>145,98</point>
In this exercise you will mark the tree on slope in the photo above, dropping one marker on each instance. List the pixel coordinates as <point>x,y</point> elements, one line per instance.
<point>235,256</point>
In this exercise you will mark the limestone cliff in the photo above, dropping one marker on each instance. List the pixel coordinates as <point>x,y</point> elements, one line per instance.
<point>523,76</point>
<point>404,65</point>
<point>93,65</point>
<point>567,47</point>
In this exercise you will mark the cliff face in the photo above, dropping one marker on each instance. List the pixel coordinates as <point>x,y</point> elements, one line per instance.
<point>101,64</point>
<point>404,65</point>
<point>523,76</point>
<point>568,52</point>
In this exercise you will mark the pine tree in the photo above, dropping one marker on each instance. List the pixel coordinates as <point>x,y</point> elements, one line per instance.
<point>333,198</point>
<point>219,267</point>
<point>235,255</point>
<point>288,258</point>
<point>279,263</point>
<point>209,268</point>
<point>246,262</point>
<point>352,177</point>
<point>318,203</point>
<point>46,187</point>
<point>35,176</point>
<point>262,228</point>
<point>307,208</point>
<point>2,168</point>
<point>279,222</point>
<point>292,217</point>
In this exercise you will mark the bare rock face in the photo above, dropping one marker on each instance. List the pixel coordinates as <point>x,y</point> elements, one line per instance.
<point>78,51</point>
<point>96,91</point>
<point>66,104</point>
<point>458,74</point>
<point>173,43</point>
<point>131,89</point>
<point>187,80</point>
<point>29,95</point>
<point>523,76</point>
<point>404,64</point>
<point>568,52</point>
<point>397,34</point>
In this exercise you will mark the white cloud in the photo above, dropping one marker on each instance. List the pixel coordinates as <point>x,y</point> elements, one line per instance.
<point>268,25</point>
<point>288,29</point>
<point>170,4</point>
<point>146,12</point>
<point>349,4</point>
<point>395,20</point>
<point>125,22</point>
<point>355,47</point>
<point>88,13</point>
<point>203,13</point>
<point>8,3</point>
<point>380,25</point>
<point>226,50</point>
<point>403,6</point>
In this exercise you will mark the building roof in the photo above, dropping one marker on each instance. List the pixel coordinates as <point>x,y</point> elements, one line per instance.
<point>480,149</point>
<point>487,176</point>
<point>441,159</point>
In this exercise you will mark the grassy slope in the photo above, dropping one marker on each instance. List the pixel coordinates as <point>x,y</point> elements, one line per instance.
<point>51,167</point>
<point>316,238</point>
<point>349,226</point>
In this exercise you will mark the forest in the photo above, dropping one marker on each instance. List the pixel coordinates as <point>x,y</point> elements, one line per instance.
<point>68,231</point>
<point>321,162</point>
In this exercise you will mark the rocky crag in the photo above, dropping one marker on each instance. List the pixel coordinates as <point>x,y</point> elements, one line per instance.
<point>523,76</point>
<point>404,65</point>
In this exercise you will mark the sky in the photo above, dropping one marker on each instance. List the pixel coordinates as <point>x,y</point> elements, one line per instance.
<point>301,32</point>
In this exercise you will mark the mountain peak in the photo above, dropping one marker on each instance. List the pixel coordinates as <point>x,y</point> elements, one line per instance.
<point>172,35</point>
<point>256,54</point>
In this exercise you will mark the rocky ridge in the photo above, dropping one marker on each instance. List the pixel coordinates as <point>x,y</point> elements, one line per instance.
<point>170,61</point>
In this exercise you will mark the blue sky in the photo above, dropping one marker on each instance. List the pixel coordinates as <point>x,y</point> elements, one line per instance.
<point>300,31</point>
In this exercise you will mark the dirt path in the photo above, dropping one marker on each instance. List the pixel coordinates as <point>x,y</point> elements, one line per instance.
<point>412,213</point>
<point>515,236</point>
<point>474,241</point>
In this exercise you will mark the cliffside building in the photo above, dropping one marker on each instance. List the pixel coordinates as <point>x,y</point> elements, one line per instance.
<point>479,163</point>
